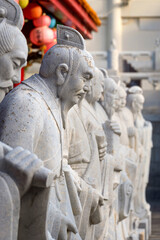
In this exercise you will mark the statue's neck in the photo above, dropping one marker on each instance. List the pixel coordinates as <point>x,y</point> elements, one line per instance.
<point>93,104</point>
<point>50,84</point>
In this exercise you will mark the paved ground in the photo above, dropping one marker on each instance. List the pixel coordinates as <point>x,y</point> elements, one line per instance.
<point>155,226</point>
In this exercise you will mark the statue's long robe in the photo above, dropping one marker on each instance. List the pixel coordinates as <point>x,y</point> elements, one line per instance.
<point>144,133</point>
<point>31,118</point>
<point>82,127</point>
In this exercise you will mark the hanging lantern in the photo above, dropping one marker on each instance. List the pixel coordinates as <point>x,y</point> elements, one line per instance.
<point>49,45</point>
<point>17,1</point>
<point>53,21</point>
<point>42,21</point>
<point>23,3</point>
<point>32,11</point>
<point>41,36</point>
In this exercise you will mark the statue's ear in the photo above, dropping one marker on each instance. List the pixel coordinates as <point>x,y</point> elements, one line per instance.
<point>61,73</point>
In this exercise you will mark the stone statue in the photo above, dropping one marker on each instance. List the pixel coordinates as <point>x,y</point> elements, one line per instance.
<point>86,167</point>
<point>135,101</point>
<point>85,152</point>
<point>31,116</point>
<point>122,184</point>
<point>120,104</point>
<point>98,118</point>
<point>13,55</point>
<point>13,45</point>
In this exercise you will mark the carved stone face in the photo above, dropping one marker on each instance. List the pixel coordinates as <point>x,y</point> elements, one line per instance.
<point>110,96</point>
<point>96,89</point>
<point>11,64</point>
<point>137,104</point>
<point>79,82</point>
<point>120,99</point>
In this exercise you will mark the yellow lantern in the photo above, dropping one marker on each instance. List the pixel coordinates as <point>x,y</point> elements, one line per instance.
<point>23,3</point>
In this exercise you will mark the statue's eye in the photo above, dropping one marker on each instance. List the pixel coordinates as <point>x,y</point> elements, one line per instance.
<point>16,63</point>
<point>88,76</point>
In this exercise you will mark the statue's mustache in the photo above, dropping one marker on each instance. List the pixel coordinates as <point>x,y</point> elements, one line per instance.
<point>6,84</point>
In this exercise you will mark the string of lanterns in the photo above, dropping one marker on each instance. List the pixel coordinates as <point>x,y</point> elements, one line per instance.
<point>39,26</point>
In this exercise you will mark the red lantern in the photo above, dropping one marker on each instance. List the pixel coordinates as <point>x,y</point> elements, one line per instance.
<point>49,45</point>
<point>42,21</point>
<point>41,36</point>
<point>32,11</point>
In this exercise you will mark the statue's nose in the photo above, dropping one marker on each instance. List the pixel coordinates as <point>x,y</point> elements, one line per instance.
<point>16,78</point>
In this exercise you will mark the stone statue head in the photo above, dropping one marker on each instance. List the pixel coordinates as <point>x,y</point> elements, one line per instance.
<point>121,98</point>
<point>110,94</point>
<point>13,46</point>
<point>135,99</point>
<point>68,65</point>
<point>96,89</point>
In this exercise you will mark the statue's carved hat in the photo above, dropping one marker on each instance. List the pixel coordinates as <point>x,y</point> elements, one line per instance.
<point>105,73</point>
<point>135,90</point>
<point>12,12</point>
<point>69,37</point>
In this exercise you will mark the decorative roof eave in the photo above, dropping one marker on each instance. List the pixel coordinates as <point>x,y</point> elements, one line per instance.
<point>90,11</point>
<point>59,10</point>
<point>83,15</point>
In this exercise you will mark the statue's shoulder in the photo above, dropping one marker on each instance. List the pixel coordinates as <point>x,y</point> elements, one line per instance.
<point>22,97</point>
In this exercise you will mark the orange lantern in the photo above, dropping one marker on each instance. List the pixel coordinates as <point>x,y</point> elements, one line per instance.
<point>17,1</point>
<point>32,11</point>
<point>42,21</point>
<point>41,35</point>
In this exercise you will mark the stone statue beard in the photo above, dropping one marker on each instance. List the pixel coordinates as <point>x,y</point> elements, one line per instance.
<point>89,96</point>
<point>138,119</point>
<point>136,113</point>
<point>109,109</point>
<point>6,84</point>
<point>5,87</point>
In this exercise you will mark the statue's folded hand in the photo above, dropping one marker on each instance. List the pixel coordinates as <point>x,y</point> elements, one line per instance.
<point>131,131</point>
<point>96,210</point>
<point>102,148</point>
<point>115,127</point>
<point>66,226</point>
